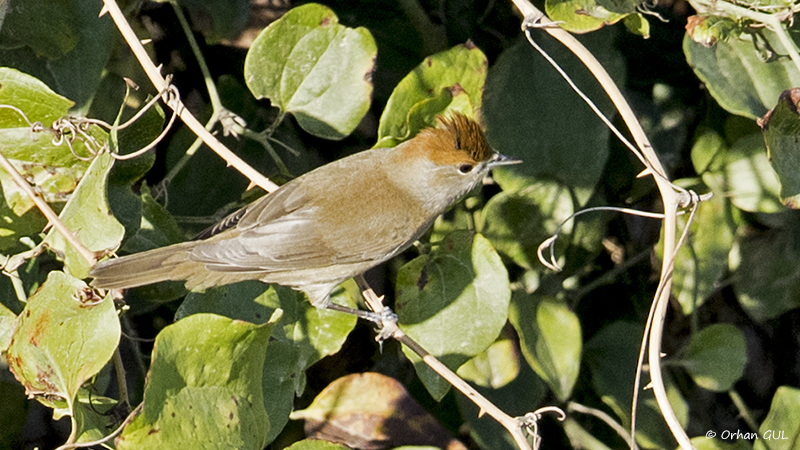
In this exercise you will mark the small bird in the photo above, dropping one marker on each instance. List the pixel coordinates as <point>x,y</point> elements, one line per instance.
<point>328,225</point>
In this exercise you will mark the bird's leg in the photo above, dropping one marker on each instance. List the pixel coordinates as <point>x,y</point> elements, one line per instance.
<point>374,317</point>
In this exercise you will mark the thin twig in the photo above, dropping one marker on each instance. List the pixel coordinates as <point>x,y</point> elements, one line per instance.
<point>773,21</point>
<point>390,329</point>
<point>608,420</point>
<point>670,198</point>
<point>105,438</point>
<point>158,81</point>
<point>51,216</point>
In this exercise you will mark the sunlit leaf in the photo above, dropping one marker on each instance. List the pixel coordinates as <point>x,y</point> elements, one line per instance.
<point>741,173</point>
<point>63,337</point>
<point>52,168</point>
<point>309,65</point>
<point>550,337</point>
<point>315,444</point>
<point>313,332</point>
<point>461,282</point>
<point>706,443</point>
<point>742,73</point>
<point>517,222</point>
<point>88,217</point>
<point>495,367</point>
<point>581,16</point>
<point>204,387</point>
<point>453,79</point>
<point>780,429</point>
<point>7,322</point>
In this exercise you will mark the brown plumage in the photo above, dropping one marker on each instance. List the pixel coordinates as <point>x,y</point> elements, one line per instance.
<point>328,225</point>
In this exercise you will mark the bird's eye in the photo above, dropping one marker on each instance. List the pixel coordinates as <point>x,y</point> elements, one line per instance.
<point>465,168</point>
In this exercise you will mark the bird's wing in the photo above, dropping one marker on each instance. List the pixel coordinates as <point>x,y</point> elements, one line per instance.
<point>284,234</point>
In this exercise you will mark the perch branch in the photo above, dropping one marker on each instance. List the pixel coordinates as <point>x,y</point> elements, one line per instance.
<point>514,425</point>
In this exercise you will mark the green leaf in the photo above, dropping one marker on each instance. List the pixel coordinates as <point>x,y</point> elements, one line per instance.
<point>7,323</point>
<point>89,218</point>
<point>702,261</point>
<point>461,282</point>
<point>78,72</point>
<point>52,168</point>
<point>289,354</point>
<point>741,74</point>
<point>278,383</point>
<point>63,337</point>
<point>94,416</point>
<point>715,357</point>
<point>781,128</point>
<point>67,42</point>
<point>204,387</point>
<point>309,65</point>
<point>33,97</point>
<point>741,173</point>
<point>780,430</point>
<point>315,444</point>
<point>525,393</point>
<point>560,138</point>
<point>581,16</point>
<point>517,222</point>
<point>767,270</point>
<point>550,337</point>
<point>450,80</point>
<point>47,26</point>
<point>157,228</point>
<point>579,437</point>
<point>314,332</point>
<point>637,24</point>
<point>707,30</point>
<point>704,443</point>
<point>611,357</point>
<point>495,367</point>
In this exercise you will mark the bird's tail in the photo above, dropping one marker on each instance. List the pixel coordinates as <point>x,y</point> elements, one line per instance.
<point>143,268</point>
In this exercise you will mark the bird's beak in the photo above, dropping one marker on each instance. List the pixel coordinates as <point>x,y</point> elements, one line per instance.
<point>499,159</point>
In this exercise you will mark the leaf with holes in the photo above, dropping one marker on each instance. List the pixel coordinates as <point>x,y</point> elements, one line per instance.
<point>204,386</point>
<point>63,337</point>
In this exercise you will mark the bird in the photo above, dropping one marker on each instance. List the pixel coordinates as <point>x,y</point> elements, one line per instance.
<point>328,225</point>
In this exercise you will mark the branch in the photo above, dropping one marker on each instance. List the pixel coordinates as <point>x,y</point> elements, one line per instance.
<point>671,200</point>
<point>514,425</point>
<point>160,84</point>
<point>48,212</point>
